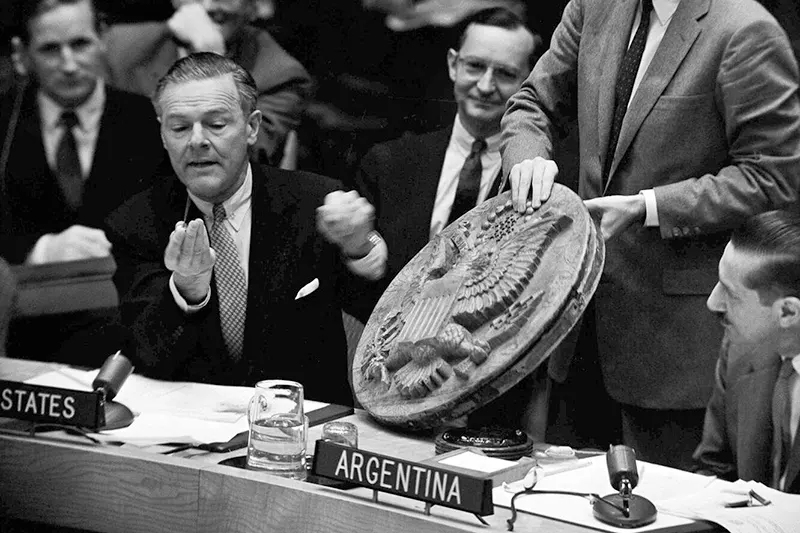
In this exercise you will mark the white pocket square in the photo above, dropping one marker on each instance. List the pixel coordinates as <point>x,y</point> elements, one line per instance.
<point>307,289</point>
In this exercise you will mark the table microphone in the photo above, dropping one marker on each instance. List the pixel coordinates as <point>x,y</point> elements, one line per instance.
<point>629,510</point>
<point>109,380</point>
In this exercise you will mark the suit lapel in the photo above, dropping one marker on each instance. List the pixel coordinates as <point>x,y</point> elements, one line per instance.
<point>430,156</point>
<point>609,61</point>
<point>102,162</point>
<point>261,276</point>
<point>681,34</point>
<point>754,420</point>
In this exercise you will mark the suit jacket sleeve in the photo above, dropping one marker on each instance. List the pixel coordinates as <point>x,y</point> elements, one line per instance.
<point>547,96</point>
<point>714,455</point>
<point>164,338</point>
<point>757,85</point>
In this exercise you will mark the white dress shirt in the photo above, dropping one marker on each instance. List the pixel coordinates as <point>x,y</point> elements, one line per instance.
<point>89,114</point>
<point>238,222</point>
<point>457,152</point>
<point>660,17</point>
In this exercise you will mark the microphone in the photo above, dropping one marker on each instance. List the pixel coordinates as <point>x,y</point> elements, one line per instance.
<point>109,380</point>
<point>628,510</point>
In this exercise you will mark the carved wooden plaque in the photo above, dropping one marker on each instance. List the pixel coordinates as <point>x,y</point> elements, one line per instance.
<point>476,310</point>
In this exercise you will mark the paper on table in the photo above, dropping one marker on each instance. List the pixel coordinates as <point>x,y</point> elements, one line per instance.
<point>654,481</point>
<point>781,516</point>
<point>169,411</point>
<point>478,462</point>
<point>159,428</point>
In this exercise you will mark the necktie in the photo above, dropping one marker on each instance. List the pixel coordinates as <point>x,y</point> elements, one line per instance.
<point>231,285</point>
<point>625,78</point>
<point>781,416</point>
<point>469,181</point>
<point>68,164</point>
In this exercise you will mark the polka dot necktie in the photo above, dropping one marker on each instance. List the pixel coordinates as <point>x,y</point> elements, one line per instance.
<point>231,285</point>
<point>68,164</point>
<point>781,421</point>
<point>469,181</point>
<point>624,88</point>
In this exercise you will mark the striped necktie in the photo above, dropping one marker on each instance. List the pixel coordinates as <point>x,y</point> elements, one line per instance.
<point>231,285</point>
<point>625,79</point>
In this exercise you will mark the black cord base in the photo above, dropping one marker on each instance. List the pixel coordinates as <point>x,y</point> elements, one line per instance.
<point>641,511</point>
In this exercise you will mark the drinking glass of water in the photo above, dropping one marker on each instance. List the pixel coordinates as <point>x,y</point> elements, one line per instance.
<point>278,429</point>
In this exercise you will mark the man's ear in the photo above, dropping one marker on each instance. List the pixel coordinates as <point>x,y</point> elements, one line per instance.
<point>790,312</point>
<point>452,63</point>
<point>253,125</point>
<point>19,56</point>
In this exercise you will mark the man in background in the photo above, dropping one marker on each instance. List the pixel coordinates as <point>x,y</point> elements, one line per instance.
<point>231,272</point>
<point>420,183</point>
<point>141,53</point>
<point>689,123</point>
<point>751,424</point>
<point>73,149</point>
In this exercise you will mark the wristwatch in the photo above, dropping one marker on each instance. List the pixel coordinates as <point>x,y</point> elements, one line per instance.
<point>373,238</point>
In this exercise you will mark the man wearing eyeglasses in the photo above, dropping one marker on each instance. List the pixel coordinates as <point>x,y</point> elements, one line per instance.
<point>419,184</point>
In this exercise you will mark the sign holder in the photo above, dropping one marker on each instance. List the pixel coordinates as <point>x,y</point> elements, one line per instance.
<point>430,484</point>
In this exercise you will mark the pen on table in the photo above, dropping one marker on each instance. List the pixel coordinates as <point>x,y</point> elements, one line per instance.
<point>757,497</point>
<point>741,503</point>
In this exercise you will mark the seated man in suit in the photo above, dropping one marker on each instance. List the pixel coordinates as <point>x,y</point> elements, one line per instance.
<point>419,184</point>
<point>139,55</point>
<point>259,293</point>
<point>74,149</point>
<point>751,424</point>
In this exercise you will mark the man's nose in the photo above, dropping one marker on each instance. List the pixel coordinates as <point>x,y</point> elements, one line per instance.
<point>68,62</point>
<point>486,81</point>
<point>714,302</point>
<point>198,138</point>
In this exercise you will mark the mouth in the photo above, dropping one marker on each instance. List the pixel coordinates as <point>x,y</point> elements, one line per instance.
<point>481,102</point>
<point>200,165</point>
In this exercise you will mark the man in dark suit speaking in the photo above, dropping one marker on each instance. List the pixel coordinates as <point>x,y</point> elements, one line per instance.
<point>231,272</point>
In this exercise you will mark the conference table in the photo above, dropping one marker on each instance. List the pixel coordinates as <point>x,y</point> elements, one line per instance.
<point>66,480</point>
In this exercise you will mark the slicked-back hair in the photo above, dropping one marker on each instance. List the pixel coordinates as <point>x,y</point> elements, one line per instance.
<point>204,66</point>
<point>27,10</point>
<point>773,237</point>
<point>501,17</point>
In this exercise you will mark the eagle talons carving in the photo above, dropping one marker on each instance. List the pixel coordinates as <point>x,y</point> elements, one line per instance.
<point>422,367</point>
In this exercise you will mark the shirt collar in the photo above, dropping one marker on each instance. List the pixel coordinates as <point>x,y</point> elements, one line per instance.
<point>462,138</point>
<point>796,363</point>
<point>89,112</point>
<point>236,207</point>
<point>665,9</point>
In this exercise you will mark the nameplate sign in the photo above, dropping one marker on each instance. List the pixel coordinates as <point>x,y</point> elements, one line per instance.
<point>51,404</point>
<point>413,480</point>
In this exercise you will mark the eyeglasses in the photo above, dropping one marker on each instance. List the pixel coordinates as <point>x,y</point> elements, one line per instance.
<point>475,68</point>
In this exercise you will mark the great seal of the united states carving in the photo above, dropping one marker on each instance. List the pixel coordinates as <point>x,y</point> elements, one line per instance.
<point>476,310</point>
